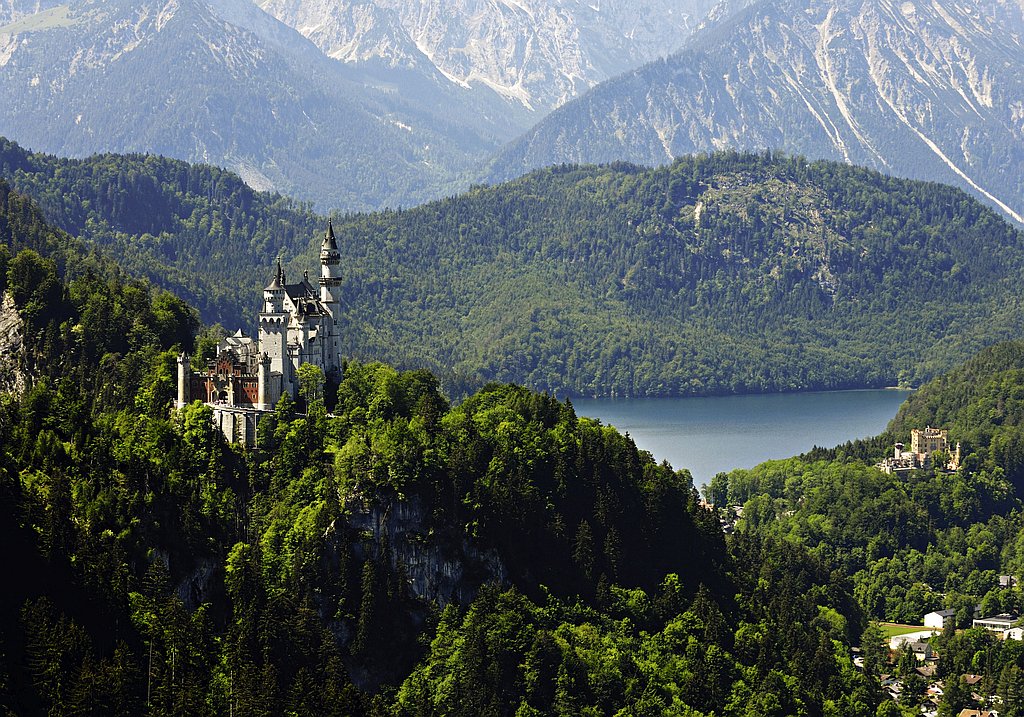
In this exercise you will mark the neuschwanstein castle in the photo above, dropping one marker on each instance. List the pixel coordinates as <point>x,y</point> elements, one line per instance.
<point>299,324</point>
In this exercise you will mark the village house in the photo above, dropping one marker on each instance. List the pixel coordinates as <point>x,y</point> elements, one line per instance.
<point>922,650</point>
<point>939,618</point>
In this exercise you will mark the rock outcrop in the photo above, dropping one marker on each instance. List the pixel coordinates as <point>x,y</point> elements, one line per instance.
<point>537,53</point>
<point>12,347</point>
<point>440,567</point>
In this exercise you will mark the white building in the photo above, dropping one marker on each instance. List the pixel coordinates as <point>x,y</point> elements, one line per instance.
<point>939,619</point>
<point>998,623</point>
<point>912,637</point>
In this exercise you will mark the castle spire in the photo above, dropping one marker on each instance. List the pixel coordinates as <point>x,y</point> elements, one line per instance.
<point>278,282</point>
<point>329,242</point>
<point>330,268</point>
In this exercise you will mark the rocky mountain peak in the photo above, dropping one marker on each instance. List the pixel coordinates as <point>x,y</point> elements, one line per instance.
<point>539,53</point>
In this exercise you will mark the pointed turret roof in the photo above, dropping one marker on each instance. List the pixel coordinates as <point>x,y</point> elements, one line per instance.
<point>329,242</point>
<point>278,282</point>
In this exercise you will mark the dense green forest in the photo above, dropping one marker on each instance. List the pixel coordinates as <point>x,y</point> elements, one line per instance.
<point>929,541</point>
<point>718,274</point>
<point>398,556</point>
<point>194,229</point>
<point>404,555</point>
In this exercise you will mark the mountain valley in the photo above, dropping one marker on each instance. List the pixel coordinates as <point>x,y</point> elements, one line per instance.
<point>720,274</point>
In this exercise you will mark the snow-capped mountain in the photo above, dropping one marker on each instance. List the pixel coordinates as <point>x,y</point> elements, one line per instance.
<point>929,89</point>
<point>538,53</point>
<point>221,81</point>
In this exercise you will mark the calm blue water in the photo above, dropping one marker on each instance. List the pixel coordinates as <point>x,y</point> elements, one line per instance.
<point>708,435</point>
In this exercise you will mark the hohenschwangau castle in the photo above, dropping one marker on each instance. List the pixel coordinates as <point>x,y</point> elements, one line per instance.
<point>299,324</point>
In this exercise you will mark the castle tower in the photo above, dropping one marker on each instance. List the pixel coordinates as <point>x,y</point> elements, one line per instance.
<point>330,267</point>
<point>184,374</point>
<point>264,400</point>
<point>273,325</point>
<point>330,296</point>
<point>273,293</point>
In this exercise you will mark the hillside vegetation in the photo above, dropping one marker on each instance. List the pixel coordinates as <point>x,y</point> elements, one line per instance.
<point>399,557</point>
<point>193,228</point>
<point>718,274</point>
<point>918,543</point>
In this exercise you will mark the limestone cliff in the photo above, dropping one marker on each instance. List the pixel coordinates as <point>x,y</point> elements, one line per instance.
<point>537,53</point>
<point>441,567</point>
<point>12,347</point>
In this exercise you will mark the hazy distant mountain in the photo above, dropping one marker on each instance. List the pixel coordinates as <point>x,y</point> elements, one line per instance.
<point>223,82</point>
<point>931,90</point>
<point>537,53</point>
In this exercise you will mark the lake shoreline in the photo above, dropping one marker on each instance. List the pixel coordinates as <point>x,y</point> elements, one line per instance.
<point>612,397</point>
<point>712,434</point>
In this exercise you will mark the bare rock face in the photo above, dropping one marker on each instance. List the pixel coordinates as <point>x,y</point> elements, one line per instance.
<point>14,10</point>
<point>538,53</point>
<point>12,348</point>
<point>196,586</point>
<point>440,568</point>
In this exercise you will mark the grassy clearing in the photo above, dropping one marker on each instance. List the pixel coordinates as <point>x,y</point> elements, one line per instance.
<point>892,629</point>
<point>45,20</point>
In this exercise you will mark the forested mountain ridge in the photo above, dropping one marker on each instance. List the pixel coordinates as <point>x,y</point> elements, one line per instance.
<point>721,273</point>
<point>161,571</point>
<point>195,229</point>
<point>922,90</point>
<point>716,274</point>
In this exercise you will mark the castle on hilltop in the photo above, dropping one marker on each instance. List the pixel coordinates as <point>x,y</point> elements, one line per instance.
<point>924,444</point>
<point>298,324</point>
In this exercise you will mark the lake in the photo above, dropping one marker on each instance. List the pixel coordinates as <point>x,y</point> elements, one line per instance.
<point>709,435</point>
